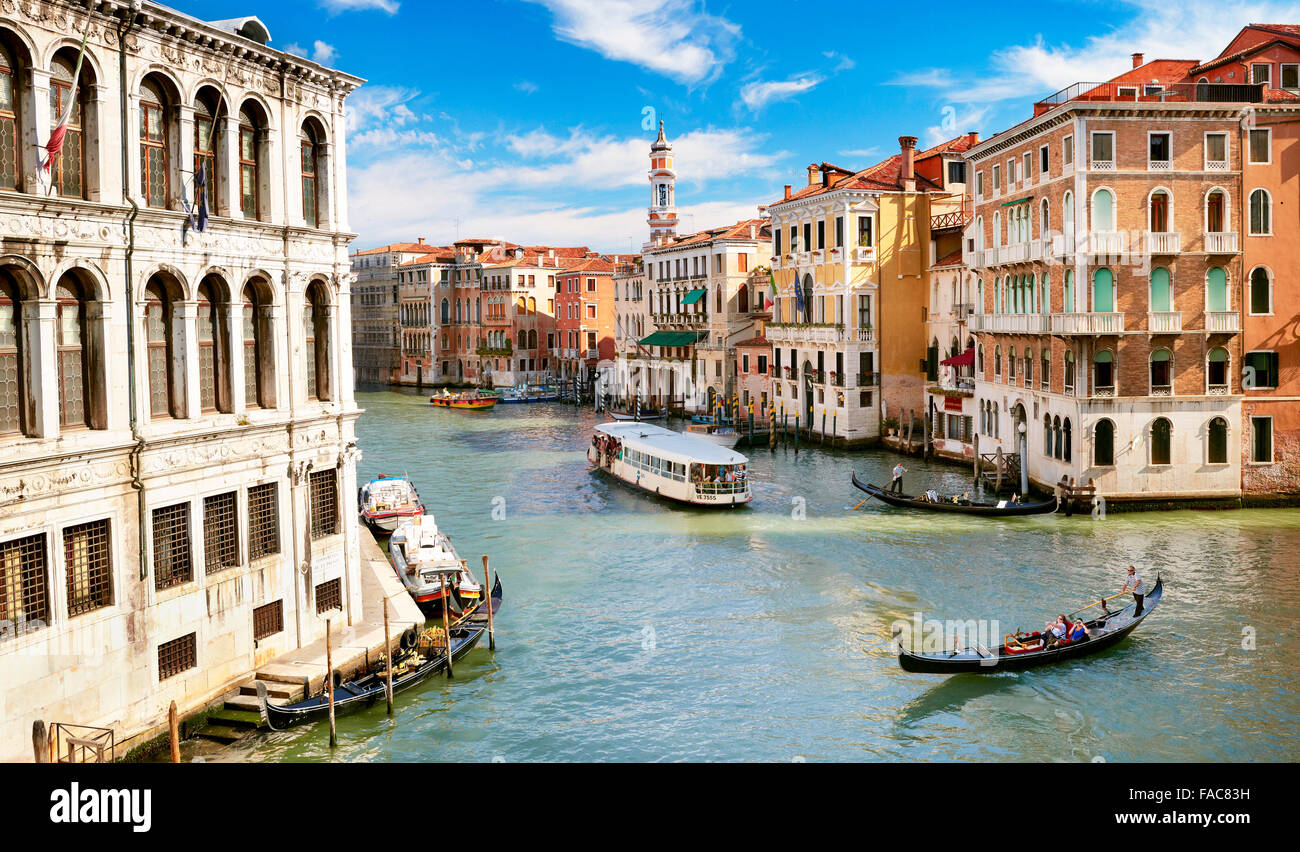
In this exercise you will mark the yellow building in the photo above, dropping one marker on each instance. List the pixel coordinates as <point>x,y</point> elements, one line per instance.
<point>850,258</point>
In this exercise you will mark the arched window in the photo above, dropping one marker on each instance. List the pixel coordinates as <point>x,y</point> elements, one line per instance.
<point>252,131</point>
<point>1216,371</point>
<point>521,306</point>
<point>1158,212</point>
<point>1044,219</point>
<point>1161,433</point>
<point>1045,375</point>
<point>71,342</point>
<point>1069,371</point>
<point>1103,373</point>
<point>532,339</point>
<point>997,228</point>
<point>259,362</point>
<point>155,143</point>
<point>1067,303</point>
<point>1067,440</point>
<point>1067,213</point>
<point>1047,435</point>
<point>1103,291</point>
<point>1056,437</point>
<point>1011,365</point>
<point>1029,367</point>
<point>532,304</point>
<point>1216,211</point>
<point>309,147</point>
<point>208,144</point>
<point>1216,289</point>
<point>1103,210</point>
<point>316,349</point>
<point>1261,213</point>
<point>1103,443</point>
<point>997,361</point>
<point>1216,441</point>
<point>1161,295</point>
<point>11,137</point>
<point>68,171</point>
<point>1261,291</point>
<point>742,299</point>
<point>12,358</point>
<point>1162,373</point>
<point>214,356</point>
<point>164,393</point>
<point>446,312</point>
<point>523,339</point>
<point>997,292</point>
<point>980,353</point>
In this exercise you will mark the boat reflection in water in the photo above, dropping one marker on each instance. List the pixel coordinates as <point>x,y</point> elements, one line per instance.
<point>684,468</point>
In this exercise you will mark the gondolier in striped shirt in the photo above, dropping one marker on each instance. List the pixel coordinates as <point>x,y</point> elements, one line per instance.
<point>1133,583</point>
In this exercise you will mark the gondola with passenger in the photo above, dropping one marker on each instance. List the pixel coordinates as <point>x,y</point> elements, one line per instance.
<point>1021,651</point>
<point>958,505</point>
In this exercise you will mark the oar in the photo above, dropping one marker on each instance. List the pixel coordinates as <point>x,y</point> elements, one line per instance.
<point>1103,600</point>
<point>865,499</point>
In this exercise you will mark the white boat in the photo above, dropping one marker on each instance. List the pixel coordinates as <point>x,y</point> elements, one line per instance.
<point>530,393</point>
<point>723,436</point>
<point>388,501</point>
<point>685,468</point>
<point>424,559</point>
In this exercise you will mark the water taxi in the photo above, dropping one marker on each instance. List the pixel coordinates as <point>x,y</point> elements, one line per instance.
<point>531,393</point>
<point>470,401</point>
<point>723,435</point>
<point>429,566</point>
<point>387,501</point>
<point>684,468</point>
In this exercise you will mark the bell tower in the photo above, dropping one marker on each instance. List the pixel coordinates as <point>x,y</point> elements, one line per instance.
<point>663,204</point>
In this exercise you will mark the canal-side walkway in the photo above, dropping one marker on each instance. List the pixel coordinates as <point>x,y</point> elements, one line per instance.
<point>302,671</point>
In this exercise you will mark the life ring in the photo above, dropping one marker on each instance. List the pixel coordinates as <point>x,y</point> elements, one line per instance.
<point>408,639</point>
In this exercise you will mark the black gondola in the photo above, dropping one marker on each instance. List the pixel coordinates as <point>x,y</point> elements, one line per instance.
<point>1106,632</point>
<point>1003,509</point>
<point>368,688</point>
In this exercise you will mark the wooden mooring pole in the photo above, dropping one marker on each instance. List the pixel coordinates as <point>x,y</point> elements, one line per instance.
<point>40,742</point>
<point>388,661</point>
<point>174,732</point>
<point>329,684</point>
<point>487,599</point>
<point>446,586</point>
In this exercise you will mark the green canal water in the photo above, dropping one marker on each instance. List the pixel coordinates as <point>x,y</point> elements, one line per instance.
<point>636,630</point>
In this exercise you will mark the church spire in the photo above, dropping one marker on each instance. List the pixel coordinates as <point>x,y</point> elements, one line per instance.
<point>663,204</point>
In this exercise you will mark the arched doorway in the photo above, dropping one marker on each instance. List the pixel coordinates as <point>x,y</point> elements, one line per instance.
<point>807,393</point>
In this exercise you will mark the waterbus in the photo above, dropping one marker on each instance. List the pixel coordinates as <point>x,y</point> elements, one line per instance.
<point>680,467</point>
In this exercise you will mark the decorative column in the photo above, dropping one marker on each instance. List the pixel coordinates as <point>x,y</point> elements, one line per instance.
<point>228,192</point>
<point>41,366</point>
<point>272,319</point>
<point>231,327</point>
<point>36,103</point>
<point>136,188</point>
<point>103,177</point>
<point>338,176</point>
<point>185,354</point>
<point>184,169</point>
<point>99,342</point>
<point>346,381</point>
<point>272,181</point>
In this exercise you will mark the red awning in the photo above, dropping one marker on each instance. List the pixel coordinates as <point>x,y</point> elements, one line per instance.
<point>965,359</point>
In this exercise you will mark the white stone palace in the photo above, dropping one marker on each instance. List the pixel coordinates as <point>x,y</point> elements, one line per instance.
<point>177,454</point>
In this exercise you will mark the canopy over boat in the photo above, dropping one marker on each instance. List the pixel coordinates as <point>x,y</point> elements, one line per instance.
<point>670,445</point>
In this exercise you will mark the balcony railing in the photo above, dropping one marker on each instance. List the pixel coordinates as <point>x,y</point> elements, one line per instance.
<point>1106,242</point>
<point>1103,165</point>
<point>1154,93</point>
<point>795,333</point>
<point>1159,165</point>
<point>866,335</point>
<point>1062,245</point>
<point>1104,392</point>
<point>1221,243</point>
<point>1165,322</point>
<point>1012,323</point>
<point>864,254</point>
<point>1088,323</point>
<point>1159,242</point>
<point>1162,390</point>
<point>955,219</point>
<point>1228,322</point>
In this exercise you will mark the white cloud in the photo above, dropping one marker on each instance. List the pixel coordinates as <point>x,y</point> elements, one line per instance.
<point>1196,29</point>
<point>954,123</point>
<point>760,93</point>
<point>842,62</point>
<point>859,153</point>
<point>336,6</point>
<point>322,53</point>
<point>371,105</point>
<point>526,86</point>
<point>675,38</point>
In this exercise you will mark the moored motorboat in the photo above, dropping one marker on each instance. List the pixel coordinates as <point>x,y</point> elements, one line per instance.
<point>1023,651</point>
<point>723,436</point>
<point>530,393</point>
<point>388,501</point>
<point>428,565</point>
<point>961,505</point>
<point>685,468</point>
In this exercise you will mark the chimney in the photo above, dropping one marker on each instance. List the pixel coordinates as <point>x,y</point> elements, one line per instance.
<point>973,137</point>
<point>762,211</point>
<point>787,192</point>
<point>420,240</point>
<point>814,175</point>
<point>907,146</point>
<point>1137,60</point>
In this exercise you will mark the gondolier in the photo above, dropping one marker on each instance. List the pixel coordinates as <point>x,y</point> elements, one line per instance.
<point>896,484</point>
<point>1133,582</point>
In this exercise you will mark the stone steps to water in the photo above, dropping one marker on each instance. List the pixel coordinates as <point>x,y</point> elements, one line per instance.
<point>222,733</point>
<point>278,690</point>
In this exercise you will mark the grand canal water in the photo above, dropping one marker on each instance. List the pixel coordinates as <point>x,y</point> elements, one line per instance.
<point>633,630</point>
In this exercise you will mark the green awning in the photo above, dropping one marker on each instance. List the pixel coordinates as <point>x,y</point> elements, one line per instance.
<point>1018,201</point>
<point>693,296</point>
<point>672,338</point>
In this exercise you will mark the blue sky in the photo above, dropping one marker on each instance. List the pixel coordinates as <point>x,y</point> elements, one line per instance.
<point>531,119</point>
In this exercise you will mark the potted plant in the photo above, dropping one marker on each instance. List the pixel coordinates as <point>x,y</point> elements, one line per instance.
<point>891,425</point>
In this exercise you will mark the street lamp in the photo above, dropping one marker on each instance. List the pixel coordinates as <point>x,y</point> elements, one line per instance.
<point>1024,460</point>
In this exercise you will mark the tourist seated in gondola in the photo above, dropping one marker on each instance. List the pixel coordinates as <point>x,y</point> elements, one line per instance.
<point>1079,631</point>
<point>1056,630</point>
<point>932,496</point>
